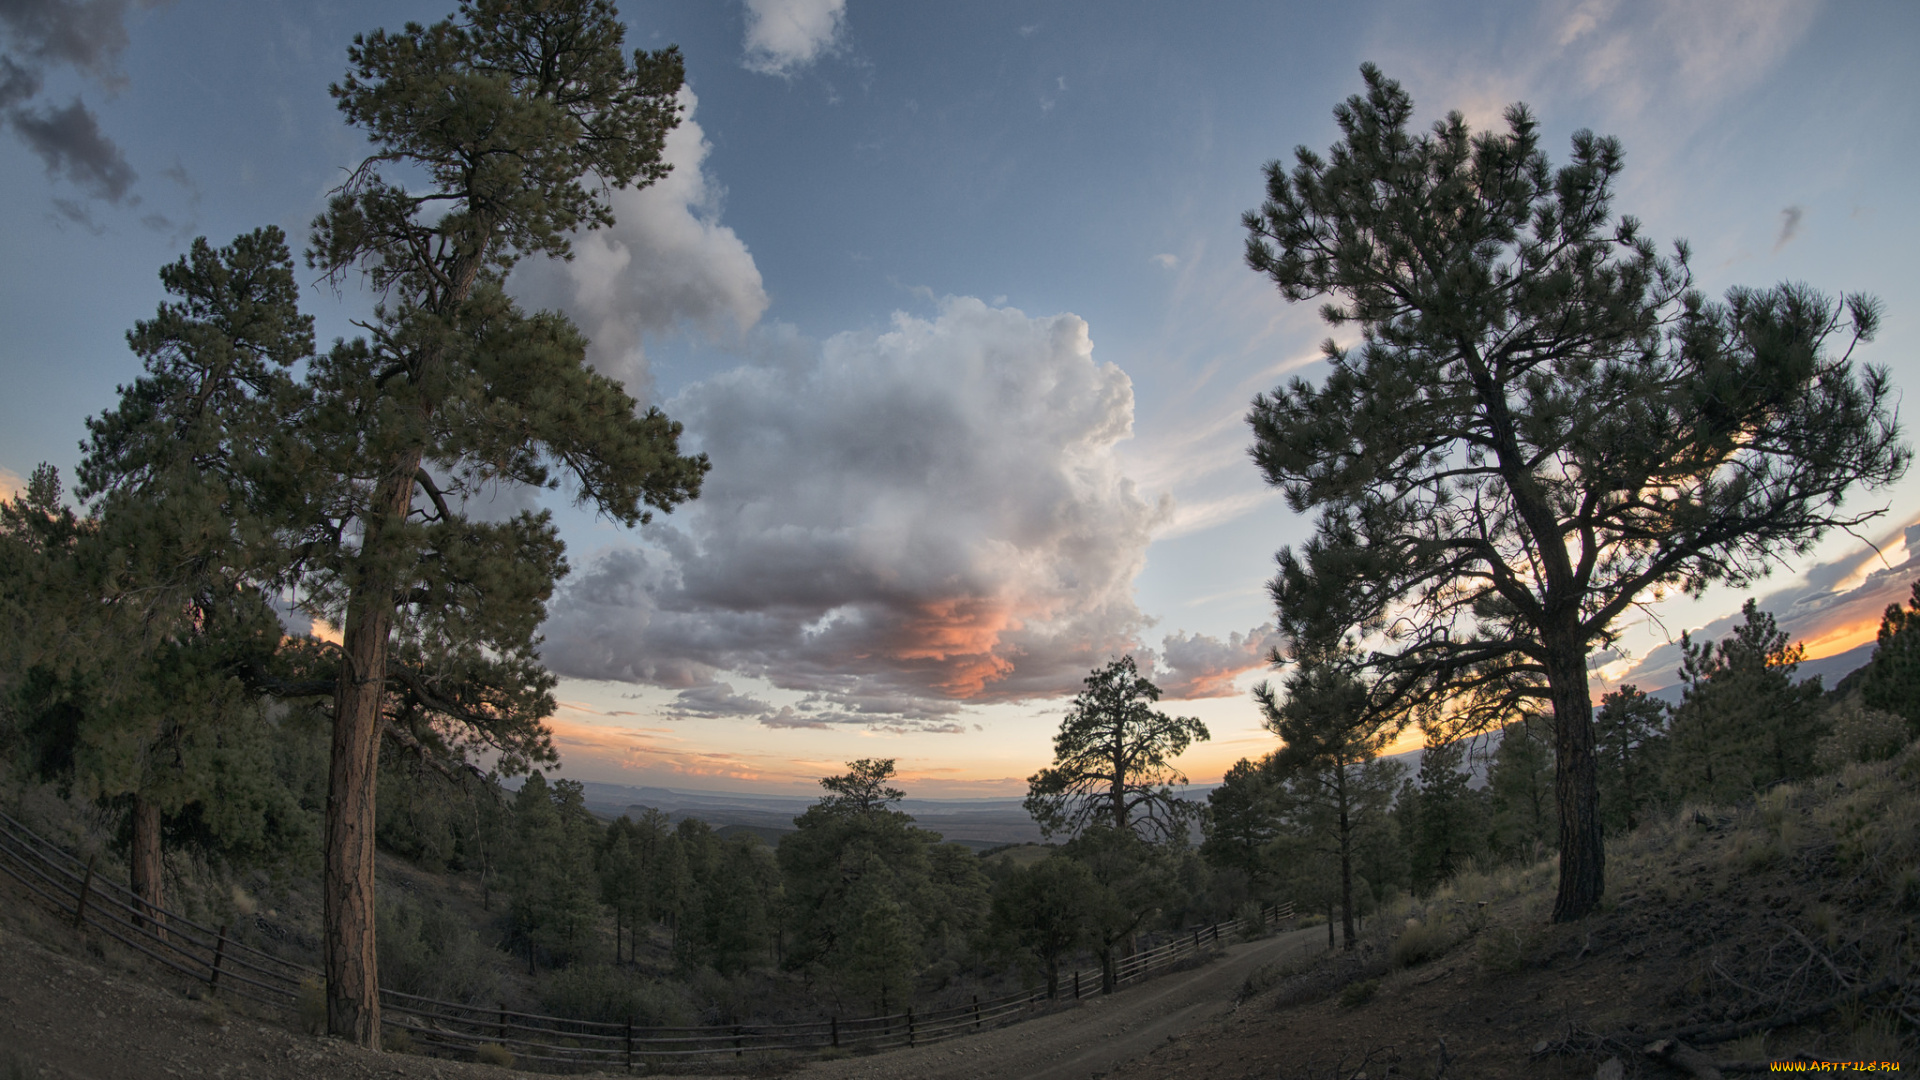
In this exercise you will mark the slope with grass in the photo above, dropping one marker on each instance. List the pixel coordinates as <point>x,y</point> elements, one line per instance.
<point>1781,927</point>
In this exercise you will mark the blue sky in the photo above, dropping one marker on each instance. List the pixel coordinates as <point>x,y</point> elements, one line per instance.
<point>953,295</point>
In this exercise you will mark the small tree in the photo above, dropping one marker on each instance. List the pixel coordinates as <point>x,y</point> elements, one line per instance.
<point>1449,816</point>
<point>1744,722</point>
<point>1046,908</point>
<point>1630,737</point>
<point>1113,760</point>
<point>1892,680</point>
<point>1330,728</point>
<point>1135,881</point>
<point>1520,798</point>
<point>1542,425</point>
<point>1240,825</point>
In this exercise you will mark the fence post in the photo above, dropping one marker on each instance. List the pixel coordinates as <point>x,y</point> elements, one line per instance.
<point>833,1025</point>
<point>909,1025</point>
<point>86,883</point>
<point>503,1023</point>
<point>629,1046</point>
<point>976,1012</point>
<point>1076,984</point>
<point>1196,941</point>
<point>219,951</point>
<point>736,1040</point>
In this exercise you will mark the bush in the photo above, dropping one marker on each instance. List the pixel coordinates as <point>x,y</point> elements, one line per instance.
<point>1507,950</point>
<point>1860,735</point>
<point>603,993</point>
<point>432,952</point>
<point>397,1040</point>
<point>1419,943</point>
<point>310,1006</point>
<point>1358,993</point>
<point>493,1054</point>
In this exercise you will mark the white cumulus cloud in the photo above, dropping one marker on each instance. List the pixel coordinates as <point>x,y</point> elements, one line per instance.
<point>897,523</point>
<point>667,263</point>
<point>784,36</point>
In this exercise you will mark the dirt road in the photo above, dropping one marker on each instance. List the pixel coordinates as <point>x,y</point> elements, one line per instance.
<point>1088,1041</point>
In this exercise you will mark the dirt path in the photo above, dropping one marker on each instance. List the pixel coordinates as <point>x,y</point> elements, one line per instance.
<point>1088,1041</point>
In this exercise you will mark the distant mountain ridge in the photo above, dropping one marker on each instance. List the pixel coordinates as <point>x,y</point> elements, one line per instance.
<point>977,823</point>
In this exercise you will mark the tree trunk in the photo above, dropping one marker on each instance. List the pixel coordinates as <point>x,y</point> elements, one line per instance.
<point>352,968</point>
<point>146,865</point>
<point>1346,856</point>
<point>1583,853</point>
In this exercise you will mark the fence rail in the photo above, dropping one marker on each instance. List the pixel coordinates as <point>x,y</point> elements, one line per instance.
<point>214,956</point>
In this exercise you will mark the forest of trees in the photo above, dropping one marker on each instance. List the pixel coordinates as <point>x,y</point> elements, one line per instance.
<point>1336,828</point>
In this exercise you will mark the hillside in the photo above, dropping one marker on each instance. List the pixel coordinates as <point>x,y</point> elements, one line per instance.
<point>1720,924</point>
<point>1759,932</point>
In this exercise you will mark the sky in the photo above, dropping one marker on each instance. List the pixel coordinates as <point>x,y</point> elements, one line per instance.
<point>953,297</point>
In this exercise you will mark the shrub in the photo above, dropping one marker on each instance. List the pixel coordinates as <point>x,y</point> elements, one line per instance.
<point>310,1006</point>
<point>431,951</point>
<point>1859,735</point>
<point>1358,993</point>
<point>603,993</point>
<point>493,1054</point>
<point>1419,943</point>
<point>1507,950</point>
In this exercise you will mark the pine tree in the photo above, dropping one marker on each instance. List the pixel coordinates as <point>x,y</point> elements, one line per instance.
<point>1450,816</point>
<point>1630,738</point>
<point>1331,728</point>
<point>495,134</point>
<point>1520,791</point>
<point>1744,723</point>
<point>1542,422</point>
<point>1892,679</point>
<point>1113,760</point>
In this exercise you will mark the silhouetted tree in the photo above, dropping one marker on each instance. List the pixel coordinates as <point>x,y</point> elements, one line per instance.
<point>1542,423</point>
<point>1892,679</point>
<point>1113,760</point>
<point>1630,738</point>
<point>1744,722</point>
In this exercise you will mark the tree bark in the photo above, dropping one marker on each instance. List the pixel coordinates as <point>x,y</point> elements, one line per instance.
<point>146,865</point>
<point>1346,857</point>
<point>352,967</point>
<point>1583,853</point>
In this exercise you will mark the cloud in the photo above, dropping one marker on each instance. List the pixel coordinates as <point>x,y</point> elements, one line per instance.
<point>11,485</point>
<point>1790,219</point>
<point>1199,666</point>
<point>666,263</point>
<point>88,36</point>
<point>715,700</point>
<point>897,523</point>
<point>1834,607</point>
<point>1661,66</point>
<point>784,36</point>
<point>71,144</point>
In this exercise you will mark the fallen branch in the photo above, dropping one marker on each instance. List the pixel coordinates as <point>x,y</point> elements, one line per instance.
<point>1831,966</point>
<point>1719,1033</point>
<point>1683,1057</point>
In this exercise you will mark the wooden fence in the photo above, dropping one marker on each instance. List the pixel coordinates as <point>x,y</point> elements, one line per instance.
<point>213,956</point>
